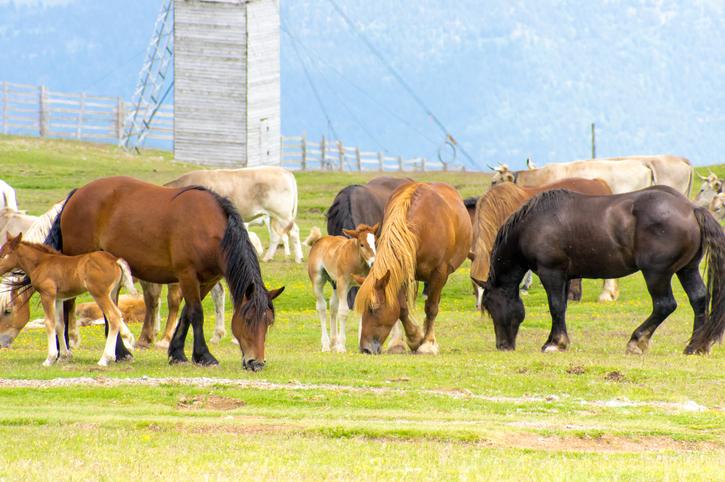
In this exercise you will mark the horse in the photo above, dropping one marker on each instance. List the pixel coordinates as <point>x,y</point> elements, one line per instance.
<point>711,186</point>
<point>7,196</point>
<point>500,202</point>
<point>57,277</point>
<point>563,235</point>
<point>425,236</point>
<point>337,259</point>
<point>255,192</point>
<point>717,206</point>
<point>14,222</point>
<point>188,235</point>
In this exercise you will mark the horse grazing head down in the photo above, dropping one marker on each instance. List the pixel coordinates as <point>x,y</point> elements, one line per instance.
<point>251,322</point>
<point>506,309</point>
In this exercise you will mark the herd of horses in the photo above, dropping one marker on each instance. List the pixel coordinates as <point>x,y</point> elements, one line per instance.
<point>586,219</point>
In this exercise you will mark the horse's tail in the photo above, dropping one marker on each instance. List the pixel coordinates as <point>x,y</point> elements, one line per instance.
<point>126,276</point>
<point>713,245</point>
<point>339,216</point>
<point>54,239</point>
<point>315,236</point>
<point>294,197</point>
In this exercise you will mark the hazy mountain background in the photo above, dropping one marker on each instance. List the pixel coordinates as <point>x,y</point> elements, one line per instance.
<point>509,79</point>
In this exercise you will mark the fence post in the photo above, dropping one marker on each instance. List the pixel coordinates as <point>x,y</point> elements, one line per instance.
<point>358,161</point>
<point>5,107</point>
<point>304,153</point>
<point>400,163</point>
<point>42,112</point>
<point>381,162</point>
<point>79,120</point>
<point>323,154</point>
<point>594,142</point>
<point>422,164</point>
<point>341,154</point>
<point>120,117</point>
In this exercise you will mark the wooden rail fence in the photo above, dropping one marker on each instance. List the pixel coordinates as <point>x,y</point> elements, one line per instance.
<point>36,110</point>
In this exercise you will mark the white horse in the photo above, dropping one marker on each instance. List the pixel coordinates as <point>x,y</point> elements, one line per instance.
<point>7,196</point>
<point>14,222</point>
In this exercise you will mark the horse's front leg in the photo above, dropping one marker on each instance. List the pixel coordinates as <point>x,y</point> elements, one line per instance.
<point>193,294</point>
<point>556,286</point>
<point>435,286</point>
<point>217,295</point>
<point>341,313</point>
<point>48,302</point>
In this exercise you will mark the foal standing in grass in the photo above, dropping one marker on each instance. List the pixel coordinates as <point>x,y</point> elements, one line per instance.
<point>339,259</point>
<point>58,277</point>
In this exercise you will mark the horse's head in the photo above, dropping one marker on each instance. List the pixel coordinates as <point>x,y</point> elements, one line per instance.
<point>365,237</point>
<point>14,315</point>
<point>710,188</point>
<point>502,173</point>
<point>506,309</point>
<point>8,253</point>
<point>717,206</point>
<point>379,317</point>
<point>250,325</point>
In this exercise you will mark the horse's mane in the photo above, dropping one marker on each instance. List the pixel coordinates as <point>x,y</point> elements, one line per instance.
<point>492,211</point>
<point>339,215</point>
<point>397,252</point>
<point>40,247</point>
<point>242,271</point>
<point>538,204</point>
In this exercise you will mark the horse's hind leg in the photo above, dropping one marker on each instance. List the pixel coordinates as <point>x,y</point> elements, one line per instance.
<point>49,309</point>
<point>575,290</point>
<point>72,331</point>
<point>275,234</point>
<point>318,283</point>
<point>663,303</point>
<point>173,301</point>
<point>435,286</point>
<point>610,291</point>
<point>217,294</point>
<point>697,294</point>
<point>114,318</point>
<point>556,285</point>
<point>60,330</point>
<point>151,294</point>
<point>294,236</point>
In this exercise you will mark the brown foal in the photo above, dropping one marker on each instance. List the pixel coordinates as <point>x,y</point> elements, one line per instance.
<point>58,277</point>
<point>338,259</point>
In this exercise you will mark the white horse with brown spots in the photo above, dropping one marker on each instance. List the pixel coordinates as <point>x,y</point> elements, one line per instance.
<point>339,260</point>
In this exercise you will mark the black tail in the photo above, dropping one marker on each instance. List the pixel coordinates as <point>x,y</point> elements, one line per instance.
<point>470,203</point>
<point>55,237</point>
<point>242,271</point>
<point>339,216</point>
<point>713,244</point>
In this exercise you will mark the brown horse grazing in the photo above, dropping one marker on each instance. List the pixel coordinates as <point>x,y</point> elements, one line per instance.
<point>655,230</point>
<point>57,277</point>
<point>190,235</point>
<point>338,259</point>
<point>426,235</point>
<point>500,202</point>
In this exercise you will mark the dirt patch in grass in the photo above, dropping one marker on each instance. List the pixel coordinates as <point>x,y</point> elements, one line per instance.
<point>575,370</point>
<point>603,443</point>
<point>234,429</point>
<point>615,376</point>
<point>209,402</point>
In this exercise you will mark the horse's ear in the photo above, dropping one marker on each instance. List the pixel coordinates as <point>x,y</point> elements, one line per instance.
<point>16,240</point>
<point>358,279</point>
<point>471,255</point>
<point>703,178</point>
<point>479,283</point>
<point>350,233</point>
<point>382,282</point>
<point>275,293</point>
<point>375,228</point>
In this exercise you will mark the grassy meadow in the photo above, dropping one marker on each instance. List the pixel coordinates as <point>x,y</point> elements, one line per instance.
<point>468,413</point>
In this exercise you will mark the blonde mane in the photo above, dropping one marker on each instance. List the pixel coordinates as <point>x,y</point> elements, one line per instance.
<point>492,211</point>
<point>397,253</point>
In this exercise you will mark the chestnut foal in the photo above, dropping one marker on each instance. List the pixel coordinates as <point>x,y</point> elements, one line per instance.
<point>339,260</point>
<point>58,277</point>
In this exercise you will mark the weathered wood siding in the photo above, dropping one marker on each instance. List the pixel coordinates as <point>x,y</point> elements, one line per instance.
<point>263,83</point>
<point>210,76</point>
<point>226,90</point>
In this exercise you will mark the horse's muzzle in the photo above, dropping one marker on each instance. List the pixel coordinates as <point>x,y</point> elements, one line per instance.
<point>372,348</point>
<point>252,365</point>
<point>6,341</point>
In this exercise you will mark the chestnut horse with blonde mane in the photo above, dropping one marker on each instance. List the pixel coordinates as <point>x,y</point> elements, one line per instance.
<point>188,235</point>
<point>426,236</point>
<point>500,202</point>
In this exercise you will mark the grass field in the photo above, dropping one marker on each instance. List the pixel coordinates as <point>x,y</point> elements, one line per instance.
<point>469,413</point>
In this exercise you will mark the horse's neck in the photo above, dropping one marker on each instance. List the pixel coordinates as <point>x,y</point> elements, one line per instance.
<point>29,258</point>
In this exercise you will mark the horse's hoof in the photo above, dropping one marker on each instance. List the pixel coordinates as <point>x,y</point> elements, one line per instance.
<point>126,358</point>
<point>606,298</point>
<point>178,359</point>
<point>48,362</point>
<point>524,292</point>
<point>397,349</point>
<point>266,259</point>
<point>102,362</point>
<point>216,338</point>
<point>65,358</point>
<point>635,347</point>
<point>339,348</point>
<point>552,348</point>
<point>299,260</point>
<point>143,343</point>
<point>427,348</point>
<point>325,348</point>
<point>205,360</point>
<point>690,350</point>
<point>163,344</point>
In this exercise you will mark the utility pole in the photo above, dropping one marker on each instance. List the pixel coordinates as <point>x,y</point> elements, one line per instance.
<point>594,142</point>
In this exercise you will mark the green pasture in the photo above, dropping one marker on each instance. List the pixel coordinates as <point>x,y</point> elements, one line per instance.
<point>468,413</point>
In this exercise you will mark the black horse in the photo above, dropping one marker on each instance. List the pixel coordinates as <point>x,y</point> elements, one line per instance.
<point>561,235</point>
<point>361,204</point>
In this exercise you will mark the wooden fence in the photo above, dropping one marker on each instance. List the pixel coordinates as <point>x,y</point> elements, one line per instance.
<point>36,110</point>
<point>298,153</point>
